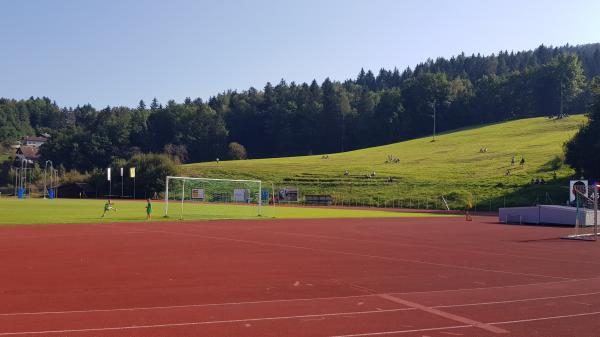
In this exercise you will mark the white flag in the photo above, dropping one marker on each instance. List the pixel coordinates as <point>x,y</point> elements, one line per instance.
<point>108,173</point>
<point>121,171</point>
<point>132,172</point>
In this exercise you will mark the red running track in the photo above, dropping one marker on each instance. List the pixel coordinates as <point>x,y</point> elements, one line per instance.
<point>353,277</point>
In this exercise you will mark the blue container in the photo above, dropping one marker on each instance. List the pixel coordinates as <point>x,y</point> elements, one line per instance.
<point>21,192</point>
<point>264,195</point>
<point>51,193</point>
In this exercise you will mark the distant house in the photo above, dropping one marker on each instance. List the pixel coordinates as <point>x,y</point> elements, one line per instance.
<point>35,141</point>
<point>30,154</point>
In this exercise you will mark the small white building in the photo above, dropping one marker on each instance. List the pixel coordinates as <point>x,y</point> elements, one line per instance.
<point>35,141</point>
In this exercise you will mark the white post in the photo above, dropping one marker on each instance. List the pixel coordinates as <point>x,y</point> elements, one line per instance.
<point>259,197</point>
<point>273,191</point>
<point>166,197</point>
<point>182,198</point>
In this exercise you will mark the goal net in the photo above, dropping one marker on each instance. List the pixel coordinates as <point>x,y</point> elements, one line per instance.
<point>205,198</point>
<point>586,218</point>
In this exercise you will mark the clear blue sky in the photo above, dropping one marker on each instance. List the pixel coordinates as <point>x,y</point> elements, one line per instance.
<point>117,52</point>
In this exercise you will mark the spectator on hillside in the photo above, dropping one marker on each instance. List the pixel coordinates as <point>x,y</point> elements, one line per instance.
<point>522,163</point>
<point>512,161</point>
<point>542,181</point>
<point>346,173</point>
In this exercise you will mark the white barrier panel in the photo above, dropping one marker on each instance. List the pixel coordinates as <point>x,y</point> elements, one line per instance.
<point>546,214</point>
<point>529,215</point>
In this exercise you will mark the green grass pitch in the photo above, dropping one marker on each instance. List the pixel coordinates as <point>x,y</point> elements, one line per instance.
<point>40,211</point>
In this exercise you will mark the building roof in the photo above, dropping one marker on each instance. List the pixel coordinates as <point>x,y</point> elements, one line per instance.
<point>30,152</point>
<point>35,139</point>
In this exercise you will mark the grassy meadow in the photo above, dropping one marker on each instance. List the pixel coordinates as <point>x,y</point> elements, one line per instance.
<point>452,166</point>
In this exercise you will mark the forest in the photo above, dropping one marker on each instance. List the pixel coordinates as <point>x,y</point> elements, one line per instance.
<point>287,119</point>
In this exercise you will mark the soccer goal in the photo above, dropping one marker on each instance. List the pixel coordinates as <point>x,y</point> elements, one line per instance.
<point>189,198</point>
<point>586,218</point>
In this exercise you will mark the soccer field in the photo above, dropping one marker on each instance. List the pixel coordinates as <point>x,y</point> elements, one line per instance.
<point>40,211</point>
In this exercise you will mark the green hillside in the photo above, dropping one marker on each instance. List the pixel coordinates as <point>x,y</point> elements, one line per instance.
<point>453,166</point>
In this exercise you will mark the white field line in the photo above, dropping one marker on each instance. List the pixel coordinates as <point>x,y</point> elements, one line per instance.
<point>445,314</point>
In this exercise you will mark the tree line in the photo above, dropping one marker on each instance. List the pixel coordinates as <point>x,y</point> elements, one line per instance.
<point>582,152</point>
<point>312,118</point>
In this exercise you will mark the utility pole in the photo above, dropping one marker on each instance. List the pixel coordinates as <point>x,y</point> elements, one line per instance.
<point>561,100</point>
<point>343,131</point>
<point>433,105</point>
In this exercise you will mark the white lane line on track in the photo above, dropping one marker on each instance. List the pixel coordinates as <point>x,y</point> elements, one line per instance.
<point>405,331</point>
<point>397,332</point>
<point>444,314</point>
<point>189,306</point>
<point>331,251</point>
<point>517,300</point>
<point>499,287</point>
<point>371,294</point>
<point>166,325</point>
<point>184,306</point>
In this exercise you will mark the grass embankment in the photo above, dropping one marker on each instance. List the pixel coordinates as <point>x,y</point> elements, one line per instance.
<point>40,211</point>
<point>451,166</point>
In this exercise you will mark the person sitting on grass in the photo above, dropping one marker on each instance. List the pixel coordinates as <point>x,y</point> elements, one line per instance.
<point>149,210</point>
<point>108,206</point>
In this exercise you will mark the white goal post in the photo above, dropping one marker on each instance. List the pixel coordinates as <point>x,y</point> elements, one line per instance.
<point>586,218</point>
<point>195,191</point>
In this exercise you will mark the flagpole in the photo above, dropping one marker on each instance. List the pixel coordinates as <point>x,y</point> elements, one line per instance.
<point>121,183</point>
<point>132,175</point>
<point>109,184</point>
